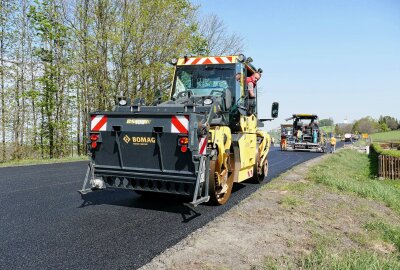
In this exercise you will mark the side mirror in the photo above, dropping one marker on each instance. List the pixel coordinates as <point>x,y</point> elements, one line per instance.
<point>228,99</point>
<point>275,110</point>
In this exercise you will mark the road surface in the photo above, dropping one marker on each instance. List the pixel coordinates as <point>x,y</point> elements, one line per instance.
<point>45,224</point>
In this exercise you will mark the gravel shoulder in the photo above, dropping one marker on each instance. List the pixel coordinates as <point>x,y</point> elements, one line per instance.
<point>278,225</point>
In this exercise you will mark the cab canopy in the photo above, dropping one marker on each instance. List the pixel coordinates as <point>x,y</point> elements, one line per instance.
<point>303,116</point>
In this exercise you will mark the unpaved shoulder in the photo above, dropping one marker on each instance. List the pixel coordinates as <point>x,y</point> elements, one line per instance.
<point>279,221</point>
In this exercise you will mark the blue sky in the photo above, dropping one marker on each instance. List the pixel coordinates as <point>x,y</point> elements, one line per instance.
<point>338,59</point>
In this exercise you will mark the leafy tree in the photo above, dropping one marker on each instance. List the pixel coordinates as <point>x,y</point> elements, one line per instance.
<point>326,122</point>
<point>338,130</point>
<point>62,59</point>
<point>391,122</point>
<point>384,127</point>
<point>45,18</point>
<point>365,125</point>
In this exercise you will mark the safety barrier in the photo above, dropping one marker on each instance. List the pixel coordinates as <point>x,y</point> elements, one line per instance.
<point>388,167</point>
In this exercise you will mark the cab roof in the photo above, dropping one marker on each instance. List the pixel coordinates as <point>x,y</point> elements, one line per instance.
<point>212,60</point>
<point>302,116</point>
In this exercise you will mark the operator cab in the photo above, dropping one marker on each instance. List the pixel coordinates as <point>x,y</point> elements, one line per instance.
<point>202,84</point>
<point>308,124</point>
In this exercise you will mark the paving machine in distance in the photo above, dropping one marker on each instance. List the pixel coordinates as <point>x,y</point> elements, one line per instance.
<point>306,134</point>
<point>198,143</point>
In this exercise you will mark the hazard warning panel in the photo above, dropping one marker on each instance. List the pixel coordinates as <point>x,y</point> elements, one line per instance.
<point>98,123</point>
<point>202,145</point>
<point>180,124</point>
<point>209,60</point>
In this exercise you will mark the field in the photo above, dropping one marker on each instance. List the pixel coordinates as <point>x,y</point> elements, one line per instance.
<point>390,136</point>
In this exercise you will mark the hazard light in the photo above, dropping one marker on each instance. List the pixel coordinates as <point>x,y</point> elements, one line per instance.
<point>94,137</point>
<point>183,140</point>
<point>93,145</point>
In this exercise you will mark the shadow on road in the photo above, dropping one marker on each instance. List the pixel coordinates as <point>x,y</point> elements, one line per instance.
<point>156,202</point>
<point>151,201</point>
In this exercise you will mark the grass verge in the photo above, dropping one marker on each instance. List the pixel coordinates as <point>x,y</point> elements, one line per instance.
<point>349,260</point>
<point>387,136</point>
<point>24,162</point>
<point>349,171</point>
<point>387,232</point>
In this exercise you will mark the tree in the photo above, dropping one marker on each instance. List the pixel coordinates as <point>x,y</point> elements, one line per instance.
<point>45,17</point>
<point>326,122</point>
<point>338,130</point>
<point>5,9</point>
<point>60,60</point>
<point>219,40</point>
<point>391,122</point>
<point>365,125</point>
<point>384,127</point>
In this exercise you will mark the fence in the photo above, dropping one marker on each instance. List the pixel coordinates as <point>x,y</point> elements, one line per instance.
<point>388,167</point>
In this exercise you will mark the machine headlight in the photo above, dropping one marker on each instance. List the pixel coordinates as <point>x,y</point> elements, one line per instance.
<point>208,101</point>
<point>174,61</point>
<point>122,102</point>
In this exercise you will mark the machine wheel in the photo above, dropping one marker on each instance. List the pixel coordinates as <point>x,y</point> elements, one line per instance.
<point>265,168</point>
<point>220,183</point>
<point>260,173</point>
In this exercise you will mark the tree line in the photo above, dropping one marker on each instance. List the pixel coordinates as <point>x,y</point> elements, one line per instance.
<point>368,125</point>
<point>61,59</point>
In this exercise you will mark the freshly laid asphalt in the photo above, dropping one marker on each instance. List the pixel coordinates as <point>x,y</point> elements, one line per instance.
<point>46,224</point>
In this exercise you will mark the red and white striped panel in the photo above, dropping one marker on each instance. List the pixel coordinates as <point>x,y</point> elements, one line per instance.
<point>203,145</point>
<point>180,124</point>
<point>98,123</point>
<point>209,60</point>
<point>250,173</point>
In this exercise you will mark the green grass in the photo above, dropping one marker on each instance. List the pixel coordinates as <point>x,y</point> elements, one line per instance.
<point>352,259</point>
<point>290,201</point>
<point>24,162</point>
<point>388,232</point>
<point>386,136</point>
<point>349,171</point>
<point>326,256</point>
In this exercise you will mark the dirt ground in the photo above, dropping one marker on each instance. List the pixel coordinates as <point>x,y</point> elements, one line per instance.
<point>280,223</point>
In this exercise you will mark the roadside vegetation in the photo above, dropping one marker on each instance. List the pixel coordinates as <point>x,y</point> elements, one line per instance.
<point>349,171</point>
<point>23,162</point>
<point>61,60</point>
<point>327,213</point>
<point>362,231</point>
<point>389,136</point>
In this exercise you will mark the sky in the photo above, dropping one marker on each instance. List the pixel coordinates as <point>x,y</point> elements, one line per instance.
<point>338,59</point>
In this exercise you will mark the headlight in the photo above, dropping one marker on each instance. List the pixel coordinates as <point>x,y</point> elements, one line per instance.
<point>241,57</point>
<point>208,101</point>
<point>122,102</point>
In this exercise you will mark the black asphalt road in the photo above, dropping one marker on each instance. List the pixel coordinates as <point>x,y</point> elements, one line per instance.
<point>45,224</point>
